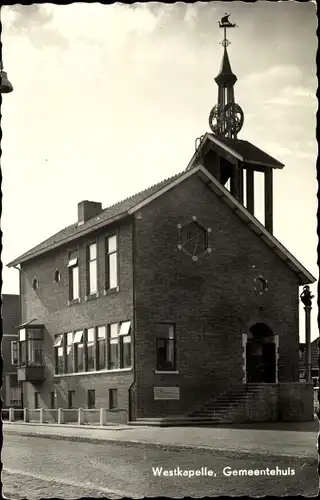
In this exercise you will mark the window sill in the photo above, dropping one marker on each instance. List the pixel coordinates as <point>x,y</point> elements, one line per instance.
<point>111,290</point>
<point>91,296</point>
<point>74,301</point>
<point>167,372</point>
<point>97,372</point>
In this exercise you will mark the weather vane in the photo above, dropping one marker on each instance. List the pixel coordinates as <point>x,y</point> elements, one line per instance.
<point>225,24</point>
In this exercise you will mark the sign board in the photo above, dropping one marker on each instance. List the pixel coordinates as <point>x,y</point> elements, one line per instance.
<point>166,393</point>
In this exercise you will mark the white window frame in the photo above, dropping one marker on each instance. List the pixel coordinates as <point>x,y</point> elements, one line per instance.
<point>114,283</point>
<point>92,260</point>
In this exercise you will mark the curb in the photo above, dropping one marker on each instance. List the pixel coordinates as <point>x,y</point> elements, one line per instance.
<point>176,447</point>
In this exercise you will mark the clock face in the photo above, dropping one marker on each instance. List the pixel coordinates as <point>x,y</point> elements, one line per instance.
<point>194,239</point>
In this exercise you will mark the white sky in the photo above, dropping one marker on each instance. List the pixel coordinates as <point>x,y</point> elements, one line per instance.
<point>109,99</point>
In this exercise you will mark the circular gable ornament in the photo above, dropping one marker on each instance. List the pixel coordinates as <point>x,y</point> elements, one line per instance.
<point>193,239</point>
<point>261,285</point>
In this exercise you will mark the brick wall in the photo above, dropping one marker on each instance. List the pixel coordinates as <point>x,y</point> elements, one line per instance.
<point>10,315</point>
<point>50,305</point>
<point>211,301</point>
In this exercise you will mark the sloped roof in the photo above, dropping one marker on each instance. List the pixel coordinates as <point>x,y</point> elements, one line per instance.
<point>136,202</point>
<point>243,150</point>
<point>106,216</point>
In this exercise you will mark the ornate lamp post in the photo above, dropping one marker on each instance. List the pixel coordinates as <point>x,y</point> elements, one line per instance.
<point>5,86</point>
<point>306,298</point>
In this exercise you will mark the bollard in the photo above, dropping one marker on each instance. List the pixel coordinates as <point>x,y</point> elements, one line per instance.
<point>41,416</point>
<point>60,416</point>
<point>11,414</point>
<point>103,416</point>
<point>80,416</point>
<point>25,415</point>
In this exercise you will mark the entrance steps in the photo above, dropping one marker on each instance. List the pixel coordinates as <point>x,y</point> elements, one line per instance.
<point>178,421</point>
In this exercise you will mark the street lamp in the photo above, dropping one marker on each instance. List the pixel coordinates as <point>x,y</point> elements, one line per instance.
<point>306,298</point>
<point>5,86</point>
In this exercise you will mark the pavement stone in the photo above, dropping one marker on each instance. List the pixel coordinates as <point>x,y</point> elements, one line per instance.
<point>286,440</point>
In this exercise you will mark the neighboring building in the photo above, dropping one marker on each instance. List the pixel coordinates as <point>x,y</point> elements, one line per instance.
<point>171,297</point>
<point>314,361</point>
<point>10,390</point>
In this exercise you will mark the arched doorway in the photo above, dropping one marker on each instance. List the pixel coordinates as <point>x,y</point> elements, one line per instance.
<point>261,355</point>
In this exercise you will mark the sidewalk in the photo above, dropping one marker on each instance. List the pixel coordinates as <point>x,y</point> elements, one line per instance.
<point>292,440</point>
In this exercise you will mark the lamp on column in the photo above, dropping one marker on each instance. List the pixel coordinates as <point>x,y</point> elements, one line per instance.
<point>5,86</point>
<point>306,298</point>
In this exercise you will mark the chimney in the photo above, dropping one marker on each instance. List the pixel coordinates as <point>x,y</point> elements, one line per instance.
<point>87,210</point>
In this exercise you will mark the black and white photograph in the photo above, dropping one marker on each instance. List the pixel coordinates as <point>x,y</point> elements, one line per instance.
<point>159,259</point>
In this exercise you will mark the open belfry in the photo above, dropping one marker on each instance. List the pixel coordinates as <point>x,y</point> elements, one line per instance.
<point>173,305</point>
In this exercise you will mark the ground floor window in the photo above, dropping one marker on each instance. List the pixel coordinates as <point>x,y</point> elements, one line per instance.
<point>91,396</point>
<point>165,347</point>
<point>90,349</point>
<point>71,399</point>
<point>53,398</point>
<point>113,398</point>
<point>37,400</point>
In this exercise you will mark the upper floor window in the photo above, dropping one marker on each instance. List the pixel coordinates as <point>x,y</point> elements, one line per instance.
<point>57,276</point>
<point>35,284</point>
<point>125,344</point>
<point>73,266</point>
<point>78,347</point>
<point>92,278</point>
<point>113,347</point>
<point>14,352</point>
<point>166,347</point>
<point>69,352</point>
<point>112,262</point>
<point>90,349</point>
<point>59,353</point>
<point>31,347</point>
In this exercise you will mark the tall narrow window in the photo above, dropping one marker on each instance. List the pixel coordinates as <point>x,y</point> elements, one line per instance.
<point>69,353</point>
<point>90,349</point>
<point>59,354</point>
<point>37,400</point>
<point>166,355</point>
<point>112,262</point>
<point>91,395</point>
<point>125,344</point>
<point>35,347</point>
<point>53,399</point>
<point>113,398</point>
<point>92,269</point>
<point>14,352</point>
<point>78,351</point>
<point>73,276</point>
<point>114,346</point>
<point>71,399</point>
<point>101,344</point>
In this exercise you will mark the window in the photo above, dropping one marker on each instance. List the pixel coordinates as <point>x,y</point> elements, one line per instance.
<point>73,276</point>
<point>112,262</point>
<point>92,269</point>
<point>37,400</point>
<point>114,346</point>
<point>14,352</point>
<point>53,399</point>
<point>71,399</point>
<point>35,284</point>
<point>78,351</point>
<point>69,353</point>
<point>59,353</point>
<point>113,398</point>
<point>90,349</point>
<point>91,394</point>
<point>57,276</point>
<point>101,344</point>
<point>166,356</point>
<point>31,348</point>
<point>125,344</point>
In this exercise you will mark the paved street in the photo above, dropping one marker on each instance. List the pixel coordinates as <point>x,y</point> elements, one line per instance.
<point>36,467</point>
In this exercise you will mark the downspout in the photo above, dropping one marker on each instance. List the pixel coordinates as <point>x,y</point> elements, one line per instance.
<point>132,386</point>
<point>20,321</point>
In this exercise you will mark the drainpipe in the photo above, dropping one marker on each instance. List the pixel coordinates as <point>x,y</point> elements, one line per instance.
<point>133,337</point>
<point>20,320</point>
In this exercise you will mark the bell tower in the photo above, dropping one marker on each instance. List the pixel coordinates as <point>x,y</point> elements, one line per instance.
<point>226,117</point>
<point>233,161</point>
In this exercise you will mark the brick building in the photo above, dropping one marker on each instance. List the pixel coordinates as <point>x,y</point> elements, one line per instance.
<point>172,297</point>
<point>10,390</point>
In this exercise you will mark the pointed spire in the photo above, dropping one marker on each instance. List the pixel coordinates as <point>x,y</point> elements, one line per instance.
<point>226,78</point>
